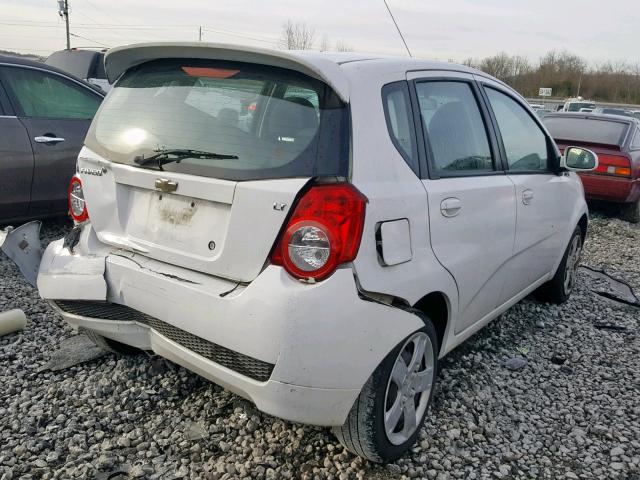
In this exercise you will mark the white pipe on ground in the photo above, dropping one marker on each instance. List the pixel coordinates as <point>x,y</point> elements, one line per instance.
<point>12,321</point>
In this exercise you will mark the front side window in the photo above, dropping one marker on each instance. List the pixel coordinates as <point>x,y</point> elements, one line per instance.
<point>246,121</point>
<point>454,128</point>
<point>397,109</point>
<point>44,95</point>
<point>524,141</point>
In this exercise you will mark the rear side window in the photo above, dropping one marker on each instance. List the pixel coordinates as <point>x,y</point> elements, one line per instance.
<point>45,95</point>
<point>247,121</point>
<point>524,141</point>
<point>586,130</point>
<point>635,144</point>
<point>398,114</point>
<point>454,127</point>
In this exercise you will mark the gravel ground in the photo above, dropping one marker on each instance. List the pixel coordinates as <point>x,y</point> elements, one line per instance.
<point>572,411</point>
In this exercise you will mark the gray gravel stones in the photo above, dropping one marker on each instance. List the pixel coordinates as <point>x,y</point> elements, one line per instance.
<point>146,418</point>
<point>515,363</point>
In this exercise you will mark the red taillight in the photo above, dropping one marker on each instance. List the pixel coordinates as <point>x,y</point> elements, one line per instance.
<point>614,165</point>
<point>77,204</point>
<point>323,232</point>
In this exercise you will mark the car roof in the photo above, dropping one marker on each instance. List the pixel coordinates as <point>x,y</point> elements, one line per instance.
<point>594,116</point>
<point>11,60</point>
<point>325,66</point>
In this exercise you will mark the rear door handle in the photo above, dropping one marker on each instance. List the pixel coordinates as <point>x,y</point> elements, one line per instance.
<point>450,207</point>
<point>527,196</point>
<point>46,139</point>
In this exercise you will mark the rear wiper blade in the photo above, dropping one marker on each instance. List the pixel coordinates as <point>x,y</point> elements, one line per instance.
<point>162,157</point>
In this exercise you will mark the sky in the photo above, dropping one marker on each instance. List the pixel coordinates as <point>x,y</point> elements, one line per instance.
<point>437,29</point>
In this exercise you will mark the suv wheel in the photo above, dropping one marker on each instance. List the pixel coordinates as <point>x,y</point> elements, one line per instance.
<point>386,418</point>
<point>559,288</point>
<point>631,212</point>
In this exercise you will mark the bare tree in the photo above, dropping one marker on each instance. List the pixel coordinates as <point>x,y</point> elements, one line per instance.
<point>297,36</point>
<point>342,46</point>
<point>470,62</point>
<point>324,43</point>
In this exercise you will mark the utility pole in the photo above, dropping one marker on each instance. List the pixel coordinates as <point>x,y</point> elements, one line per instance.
<point>579,84</point>
<point>199,34</point>
<point>63,11</point>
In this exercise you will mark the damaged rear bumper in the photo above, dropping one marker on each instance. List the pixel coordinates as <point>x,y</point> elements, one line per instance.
<point>313,345</point>
<point>319,406</point>
<point>65,276</point>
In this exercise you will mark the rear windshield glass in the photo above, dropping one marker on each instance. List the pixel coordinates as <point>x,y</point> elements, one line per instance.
<point>576,106</point>
<point>244,121</point>
<point>586,130</point>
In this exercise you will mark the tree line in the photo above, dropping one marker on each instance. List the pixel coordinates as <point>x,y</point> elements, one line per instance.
<point>569,75</point>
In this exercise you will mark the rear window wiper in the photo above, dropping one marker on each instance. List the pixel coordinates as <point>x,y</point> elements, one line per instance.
<point>162,157</point>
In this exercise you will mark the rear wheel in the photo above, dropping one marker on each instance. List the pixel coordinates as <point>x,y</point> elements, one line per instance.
<point>559,288</point>
<point>631,212</point>
<point>110,345</point>
<point>386,418</point>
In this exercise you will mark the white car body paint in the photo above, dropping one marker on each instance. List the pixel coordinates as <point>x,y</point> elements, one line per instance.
<point>326,338</point>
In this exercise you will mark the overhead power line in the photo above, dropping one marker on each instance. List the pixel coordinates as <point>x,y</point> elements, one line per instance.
<point>99,9</point>
<point>90,40</point>
<point>397,28</point>
<point>272,41</point>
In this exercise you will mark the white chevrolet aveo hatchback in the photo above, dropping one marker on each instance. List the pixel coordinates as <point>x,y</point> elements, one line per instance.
<point>312,231</point>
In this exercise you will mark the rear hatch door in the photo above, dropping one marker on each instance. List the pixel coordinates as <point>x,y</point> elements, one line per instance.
<point>214,226</point>
<point>197,162</point>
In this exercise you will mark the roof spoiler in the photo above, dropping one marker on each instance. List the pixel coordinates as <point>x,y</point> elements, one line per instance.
<point>118,60</point>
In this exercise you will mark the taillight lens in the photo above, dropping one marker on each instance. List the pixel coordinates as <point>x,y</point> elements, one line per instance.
<point>614,165</point>
<point>323,232</point>
<point>77,204</point>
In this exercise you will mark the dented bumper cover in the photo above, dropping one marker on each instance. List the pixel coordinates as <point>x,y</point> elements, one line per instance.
<point>322,339</point>
<point>67,276</point>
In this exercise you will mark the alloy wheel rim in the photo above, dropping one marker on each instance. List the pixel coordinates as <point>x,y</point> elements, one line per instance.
<point>573,260</point>
<point>408,388</point>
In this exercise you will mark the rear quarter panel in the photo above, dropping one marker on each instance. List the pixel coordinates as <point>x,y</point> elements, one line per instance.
<point>394,192</point>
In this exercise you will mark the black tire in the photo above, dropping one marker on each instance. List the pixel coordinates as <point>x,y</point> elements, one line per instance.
<point>555,290</point>
<point>110,345</point>
<point>363,432</point>
<point>631,212</point>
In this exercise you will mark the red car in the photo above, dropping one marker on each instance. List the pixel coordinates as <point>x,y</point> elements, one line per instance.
<point>616,140</point>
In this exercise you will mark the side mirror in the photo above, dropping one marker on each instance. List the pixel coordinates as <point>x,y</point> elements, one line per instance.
<point>578,160</point>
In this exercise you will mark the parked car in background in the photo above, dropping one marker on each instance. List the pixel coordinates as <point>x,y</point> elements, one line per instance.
<point>321,257</point>
<point>586,110</point>
<point>44,117</point>
<point>85,64</point>
<point>616,140</point>
<point>575,104</point>
<point>613,111</point>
